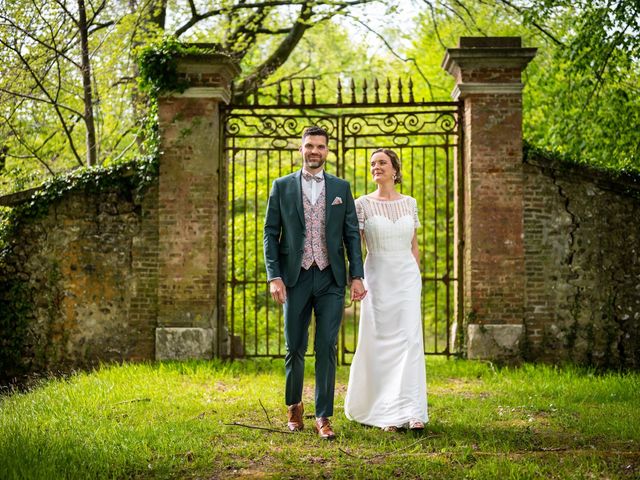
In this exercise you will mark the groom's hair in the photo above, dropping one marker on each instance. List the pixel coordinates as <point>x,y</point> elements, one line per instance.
<point>315,130</point>
<point>395,162</point>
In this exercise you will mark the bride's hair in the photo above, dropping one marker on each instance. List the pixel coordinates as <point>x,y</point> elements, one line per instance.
<point>395,162</point>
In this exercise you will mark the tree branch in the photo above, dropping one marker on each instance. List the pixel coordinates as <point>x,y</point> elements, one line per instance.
<point>395,54</point>
<point>33,152</point>
<point>198,17</point>
<point>44,90</point>
<point>280,55</point>
<point>27,33</point>
<point>533,22</point>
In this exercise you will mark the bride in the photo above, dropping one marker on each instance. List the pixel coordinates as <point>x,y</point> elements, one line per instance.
<point>387,382</point>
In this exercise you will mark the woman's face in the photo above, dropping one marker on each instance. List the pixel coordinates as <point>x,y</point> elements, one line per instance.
<point>382,170</point>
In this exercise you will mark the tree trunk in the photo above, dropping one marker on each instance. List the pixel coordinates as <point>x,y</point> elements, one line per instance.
<point>153,20</point>
<point>86,84</point>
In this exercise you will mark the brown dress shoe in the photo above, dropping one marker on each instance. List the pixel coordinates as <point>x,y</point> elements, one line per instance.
<point>323,427</point>
<point>294,414</point>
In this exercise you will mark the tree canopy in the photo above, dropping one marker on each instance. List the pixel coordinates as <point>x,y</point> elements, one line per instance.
<point>68,76</point>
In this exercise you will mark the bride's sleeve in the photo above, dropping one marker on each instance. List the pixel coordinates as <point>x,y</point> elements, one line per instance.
<point>416,220</point>
<point>360,213</point>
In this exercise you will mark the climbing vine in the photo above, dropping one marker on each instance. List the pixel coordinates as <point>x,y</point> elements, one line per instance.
<point>158,65</point>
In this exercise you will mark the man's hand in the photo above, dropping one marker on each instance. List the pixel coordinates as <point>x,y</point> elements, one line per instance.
<point>278,290</point>
<point>357,290</point>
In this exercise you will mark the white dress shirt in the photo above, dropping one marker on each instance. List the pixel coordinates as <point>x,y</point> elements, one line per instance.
<point>311,188</point>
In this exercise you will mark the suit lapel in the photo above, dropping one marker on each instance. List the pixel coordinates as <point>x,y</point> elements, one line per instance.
<point>330,194</point>
<point>297,188</point>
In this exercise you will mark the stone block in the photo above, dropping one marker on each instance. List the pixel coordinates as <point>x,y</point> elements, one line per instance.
<point>184,343</point>
<point>494,342</point>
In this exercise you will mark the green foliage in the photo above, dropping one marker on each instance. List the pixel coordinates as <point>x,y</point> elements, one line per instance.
<point>176,420</point>
<point>581,97</point>
<point>158,65</point>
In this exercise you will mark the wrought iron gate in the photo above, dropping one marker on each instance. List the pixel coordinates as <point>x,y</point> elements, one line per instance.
<point>261,143</point>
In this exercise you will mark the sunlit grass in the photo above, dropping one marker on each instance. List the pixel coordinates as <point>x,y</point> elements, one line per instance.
<point>174,420</point>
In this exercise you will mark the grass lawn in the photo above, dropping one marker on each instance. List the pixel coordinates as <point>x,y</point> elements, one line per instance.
<point>175,420</point>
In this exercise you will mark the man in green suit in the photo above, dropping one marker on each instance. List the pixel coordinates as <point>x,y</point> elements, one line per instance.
<point>310,222</point>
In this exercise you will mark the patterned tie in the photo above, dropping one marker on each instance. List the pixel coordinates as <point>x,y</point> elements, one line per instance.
<point>308,177</point>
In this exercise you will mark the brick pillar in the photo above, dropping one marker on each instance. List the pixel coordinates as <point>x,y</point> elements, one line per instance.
<point>191,204</point>
<point>488,78</point>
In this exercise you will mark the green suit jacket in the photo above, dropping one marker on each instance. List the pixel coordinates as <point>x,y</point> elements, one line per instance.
<point>284,230</point>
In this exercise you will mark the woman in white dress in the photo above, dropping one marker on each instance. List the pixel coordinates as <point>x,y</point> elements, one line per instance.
<point>387,382</point>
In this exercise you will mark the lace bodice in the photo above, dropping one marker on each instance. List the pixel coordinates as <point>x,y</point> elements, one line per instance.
<point>388,225</point>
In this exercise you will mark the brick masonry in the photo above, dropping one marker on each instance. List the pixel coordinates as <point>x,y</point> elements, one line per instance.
<point>90,267</point>
<point>191,207</point>
<point>491,230</point>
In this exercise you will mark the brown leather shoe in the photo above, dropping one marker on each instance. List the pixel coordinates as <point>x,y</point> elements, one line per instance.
<point>323,427</point>
<point>295,413</point>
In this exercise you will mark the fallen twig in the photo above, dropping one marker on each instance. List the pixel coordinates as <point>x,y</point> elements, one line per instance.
<point>133,400</point>
<point>238,424</point>
<point>265,412</point>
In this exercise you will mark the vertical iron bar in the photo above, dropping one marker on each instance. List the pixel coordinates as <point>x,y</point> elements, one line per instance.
<point>244,256</point>
<point>266,286</point>
<point>280,319</point>
<point>435,248</point>
<point>255,244</point>
<point>423,212</point>
<point>232,270</point>
<point>412,171</point>
<point>448,245</point>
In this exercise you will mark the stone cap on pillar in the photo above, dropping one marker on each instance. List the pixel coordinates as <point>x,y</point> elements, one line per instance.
<point>209,75</point>
<point>487,65</point>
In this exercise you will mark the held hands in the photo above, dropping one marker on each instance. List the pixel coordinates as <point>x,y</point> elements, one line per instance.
<point>357,290</point>
<point>278,290</point>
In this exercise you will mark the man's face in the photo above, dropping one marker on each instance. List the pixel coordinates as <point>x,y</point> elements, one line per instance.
<point>314,151</point>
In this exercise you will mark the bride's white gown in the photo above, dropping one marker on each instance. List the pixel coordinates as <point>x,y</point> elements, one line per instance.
<point>387,381</point>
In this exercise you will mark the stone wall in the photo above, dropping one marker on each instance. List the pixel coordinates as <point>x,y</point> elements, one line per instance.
<point>582,264</point>
<point>89,267</point>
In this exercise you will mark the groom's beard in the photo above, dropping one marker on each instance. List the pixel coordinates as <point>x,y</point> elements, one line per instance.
<point>314,162</point>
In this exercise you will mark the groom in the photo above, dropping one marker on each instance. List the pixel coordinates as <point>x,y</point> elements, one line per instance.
<point>310,222</point>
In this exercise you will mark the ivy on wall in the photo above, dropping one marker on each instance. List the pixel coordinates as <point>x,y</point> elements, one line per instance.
<point>158,65</point>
